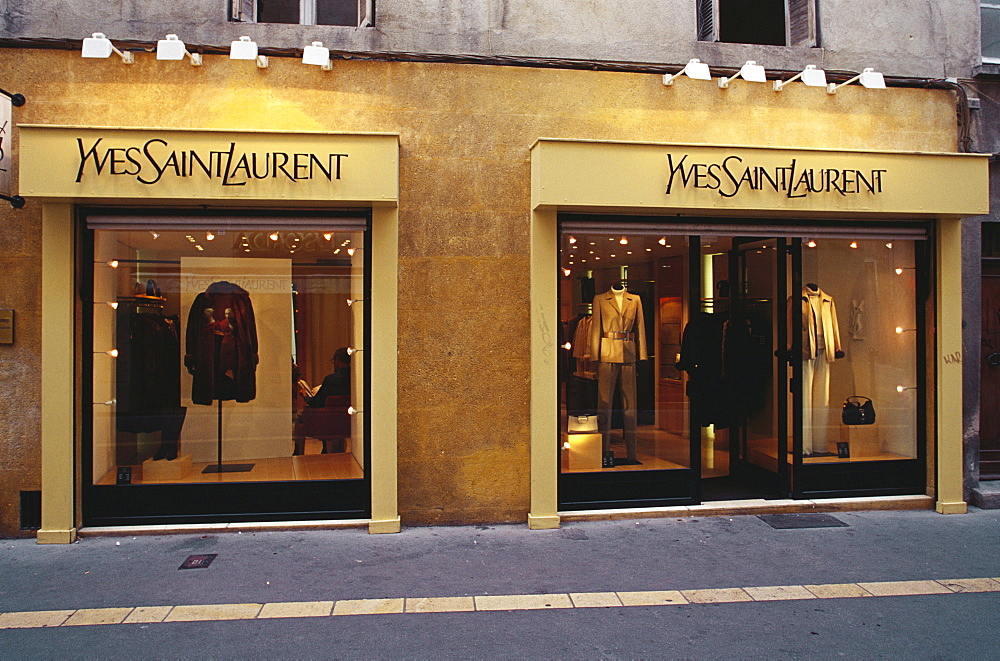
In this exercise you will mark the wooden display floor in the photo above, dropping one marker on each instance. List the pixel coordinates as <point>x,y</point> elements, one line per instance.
<point>655,448</point>
<point>338,466</point>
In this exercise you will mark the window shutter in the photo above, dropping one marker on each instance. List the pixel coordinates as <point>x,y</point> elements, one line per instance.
<point>801,22</point>
<point>241,10</point>
<point>706,21</point>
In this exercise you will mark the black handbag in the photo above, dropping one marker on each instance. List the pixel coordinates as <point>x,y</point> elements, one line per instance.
<point>858,410</point>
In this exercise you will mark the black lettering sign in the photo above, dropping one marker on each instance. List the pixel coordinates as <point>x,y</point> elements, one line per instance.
<point>148,163</point>
<point>731,176</point>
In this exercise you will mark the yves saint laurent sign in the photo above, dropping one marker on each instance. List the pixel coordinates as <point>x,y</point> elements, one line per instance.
<point>90,162</point>
<point>228,164</point>
<point>733,175</point>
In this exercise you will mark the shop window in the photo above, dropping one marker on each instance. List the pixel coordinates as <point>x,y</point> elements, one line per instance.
<point>728,361</point>
<point>227,352</point>
<point>770,22</point>
<point>350,13</point>
<point>989,13</point>
<point>991,239</point>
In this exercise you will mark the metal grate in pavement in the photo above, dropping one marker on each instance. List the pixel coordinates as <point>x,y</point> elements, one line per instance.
<point>801,520</point>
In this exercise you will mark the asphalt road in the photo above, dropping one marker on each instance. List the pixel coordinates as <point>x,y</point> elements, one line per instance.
<point>590,559</point>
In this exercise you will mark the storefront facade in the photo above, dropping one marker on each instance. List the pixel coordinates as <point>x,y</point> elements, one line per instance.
<point>459,204</point>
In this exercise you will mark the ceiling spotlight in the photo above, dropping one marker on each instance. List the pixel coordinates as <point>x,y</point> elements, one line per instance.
<point>100,46</point>
<point>889,245</point>
<point>328,236</point>
<point>566,272</point>
<point>112,304</point>
<point>751,71</point>
<point>209,236</point>
<point>350,251</point>
<point>810,243</point>
<point>695,69</point>
<point>623,241</point>
<point>155,235</point>
<point>246,49</point>
<point>811,77</point>
<point>318,55</point>
<point>173,48</point>
<point>869,78</point>
<point>662,241</point>
<point>854,244</point>
<point>572,240</point>
<point>273,236</point>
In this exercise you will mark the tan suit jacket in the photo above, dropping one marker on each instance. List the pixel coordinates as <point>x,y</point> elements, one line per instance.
<point>827,317</point>
<point>608,318</point>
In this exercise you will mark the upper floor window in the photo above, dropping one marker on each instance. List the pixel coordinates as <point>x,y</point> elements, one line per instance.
<point>990,19</point>
<point>772,22</point>
<point>351,13</point>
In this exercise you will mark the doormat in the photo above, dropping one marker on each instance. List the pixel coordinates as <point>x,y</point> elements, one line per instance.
<point>802,520</point>
<point>198,561</point>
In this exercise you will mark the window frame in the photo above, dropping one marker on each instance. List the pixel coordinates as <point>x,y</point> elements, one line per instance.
<point>707,15</point>
<point>984,58</point>
<point>245,11</point>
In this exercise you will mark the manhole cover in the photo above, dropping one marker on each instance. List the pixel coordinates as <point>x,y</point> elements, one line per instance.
<point>198,561</point>
<point>788,521</point>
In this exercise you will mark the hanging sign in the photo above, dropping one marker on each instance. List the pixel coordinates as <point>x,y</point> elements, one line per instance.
<point>7,101</point>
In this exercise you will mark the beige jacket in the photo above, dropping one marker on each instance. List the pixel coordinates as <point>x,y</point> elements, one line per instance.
<point>827,317</point>
<point>607,318</point>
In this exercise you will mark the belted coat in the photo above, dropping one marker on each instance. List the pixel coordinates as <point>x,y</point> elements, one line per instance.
<point>608,318</point>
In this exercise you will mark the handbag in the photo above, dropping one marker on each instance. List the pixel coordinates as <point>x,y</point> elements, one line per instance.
<point>858,410</point>
<point>582,424</point>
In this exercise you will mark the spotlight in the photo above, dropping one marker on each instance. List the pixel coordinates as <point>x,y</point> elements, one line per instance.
<point>318,55</point>
<point>566,272</point>
<point>350,251</point>
<point>99,46</point>
<point>623,241</point>
<point>351,351</point>
<point>155,235</point>
<point>900,330</point>
<point>811,77</point>
<point>810,243</point>
<point>328,236</point>
<point>246,49</point>
<point>110,352</point>
<point>273,236</point>
<point>113,263</point>
<point>567,346</point>
<point>751,72</point>
<point>210,236</point>
<point>572,240</point>
<point>854,244</point>
<point>352,301</point>
<point>695,69</point>
<point>353,411</point>
<point>869,78</point>
<point>173,48</point>
<point>889,245</point>
<point>901,388</point>
<point>662,241</point>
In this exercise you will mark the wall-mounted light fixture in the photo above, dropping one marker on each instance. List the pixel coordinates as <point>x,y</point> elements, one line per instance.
<point>172,48</point>
<point>110,352</point>
<point>811,243</point>
<point>246,49</point>
<point>751,72</point>
<point>810,77</point>
<point>110,402</point>
<point>869,78</point>
<point>99,46</point>
<point>567,346</point>
<point>695,69</point>
<point>352,301</point>
<point>317,54</point>
<point>902,388</point>
<point>900,330</point>
<point>899,269</point>
<point>351,351</point>
<point>353,411</point>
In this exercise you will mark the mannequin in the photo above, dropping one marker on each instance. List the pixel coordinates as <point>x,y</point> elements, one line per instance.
<point>820,348</point>
<point>617,340</point>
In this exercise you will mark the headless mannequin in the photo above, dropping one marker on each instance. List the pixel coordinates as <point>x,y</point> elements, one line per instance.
<point>819,319</point>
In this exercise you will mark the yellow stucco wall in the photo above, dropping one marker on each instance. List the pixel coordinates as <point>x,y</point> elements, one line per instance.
<point>464,217</point>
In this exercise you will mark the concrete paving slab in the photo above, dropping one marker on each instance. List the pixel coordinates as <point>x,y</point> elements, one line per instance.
<point>296,609</point>
<point>971,584</point>
<point>652,598</point>
<point>97,616</point>
<point>594,599</point>
<point>904,588</point>
<point>34,619</point>
<point>148,614</point>
<point>440,605</point>
<point>368,606</point>
<point>779,593</point>
<point>213,612</point>
<point>716,595</point>
<point>838,591</point>
<point>522,602</point>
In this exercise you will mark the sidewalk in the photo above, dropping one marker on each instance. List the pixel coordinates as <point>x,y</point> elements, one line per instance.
<point>577,565</point>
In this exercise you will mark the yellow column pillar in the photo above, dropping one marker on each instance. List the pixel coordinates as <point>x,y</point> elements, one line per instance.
<point>382,422</point>
<point>58,390</point>
<point>950,497</point>
<point>544,371</point>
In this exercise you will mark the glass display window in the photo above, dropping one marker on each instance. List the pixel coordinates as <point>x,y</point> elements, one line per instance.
<point>227,352</point>
<point>699,364</point>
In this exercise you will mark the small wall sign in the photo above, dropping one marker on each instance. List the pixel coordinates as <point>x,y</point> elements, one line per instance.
<point>6,327</point>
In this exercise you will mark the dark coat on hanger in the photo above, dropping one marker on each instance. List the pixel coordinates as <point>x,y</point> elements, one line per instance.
<point>221,345</point>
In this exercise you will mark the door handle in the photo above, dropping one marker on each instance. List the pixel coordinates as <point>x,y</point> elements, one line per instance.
<point>993,360</point>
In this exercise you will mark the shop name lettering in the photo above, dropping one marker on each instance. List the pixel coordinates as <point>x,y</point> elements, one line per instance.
<point>154,159</point>
<point>730,176</point>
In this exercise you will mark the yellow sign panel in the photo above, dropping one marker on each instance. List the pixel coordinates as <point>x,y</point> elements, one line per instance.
<point>73,163</point>
<point>577,175</point>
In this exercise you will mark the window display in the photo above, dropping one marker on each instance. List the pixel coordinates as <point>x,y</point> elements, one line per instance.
<point>224,353</point>
<point>686,351</point>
